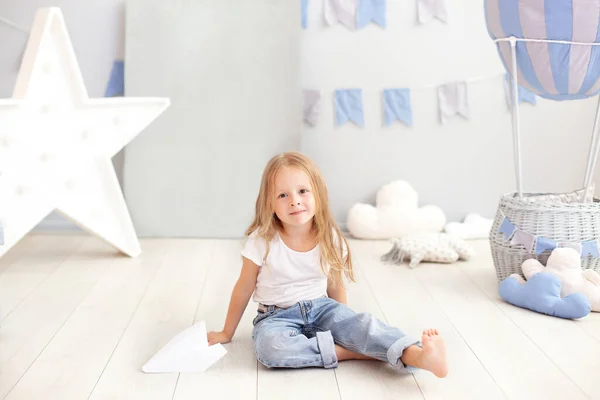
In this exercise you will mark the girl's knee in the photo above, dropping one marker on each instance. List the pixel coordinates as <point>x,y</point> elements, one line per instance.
<point>271,349</point>
<point>272,356</point>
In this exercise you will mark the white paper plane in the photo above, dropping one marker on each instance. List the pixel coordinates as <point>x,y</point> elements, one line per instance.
<point>188,351</point>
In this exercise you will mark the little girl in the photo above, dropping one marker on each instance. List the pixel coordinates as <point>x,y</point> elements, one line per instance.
<point>293,262</point>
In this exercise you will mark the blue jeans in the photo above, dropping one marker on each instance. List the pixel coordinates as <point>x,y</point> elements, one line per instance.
<point>304,336</point>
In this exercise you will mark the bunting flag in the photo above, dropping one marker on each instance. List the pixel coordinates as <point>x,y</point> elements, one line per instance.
<point>429,9</point>
<point>342,11</point>
<point>507,228</point>
<point>116,82</point>
<point>371,10</point>
<point>312,105</point>
<point>525,239</point>
<point>523,94</point>
<point>396,103</point>
<point>349,106</point>
<point>589,247</point>
<point>453,100</point>
<point>540,244</point>
<point>304,13</point>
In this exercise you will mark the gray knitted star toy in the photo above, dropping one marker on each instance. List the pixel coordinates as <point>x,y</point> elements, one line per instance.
<point>432,247</point>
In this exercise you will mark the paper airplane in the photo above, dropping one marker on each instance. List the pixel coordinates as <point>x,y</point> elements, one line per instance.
<point>188,351</point>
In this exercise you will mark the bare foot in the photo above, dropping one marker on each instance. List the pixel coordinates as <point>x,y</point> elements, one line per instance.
<point>433,357</point>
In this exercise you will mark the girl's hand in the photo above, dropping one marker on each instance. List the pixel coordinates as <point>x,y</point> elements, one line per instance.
<point>218,337</point>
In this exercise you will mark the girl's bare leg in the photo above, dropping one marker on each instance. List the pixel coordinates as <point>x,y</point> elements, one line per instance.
<point>345,354</point>
<point>432,357</point>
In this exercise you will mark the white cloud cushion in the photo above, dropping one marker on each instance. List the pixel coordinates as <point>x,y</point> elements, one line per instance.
<point>395,215</point>
<point>474,227</point>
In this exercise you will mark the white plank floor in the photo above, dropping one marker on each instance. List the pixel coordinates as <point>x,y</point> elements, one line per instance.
<point>78,321</point>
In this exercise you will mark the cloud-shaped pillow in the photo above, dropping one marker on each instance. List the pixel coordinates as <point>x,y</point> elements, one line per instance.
<point>396,214</point>
<point>565,263</point>
<point>474,227</point>
<point>541,293</point>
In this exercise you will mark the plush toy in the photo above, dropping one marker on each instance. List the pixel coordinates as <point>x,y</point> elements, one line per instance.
<point>541,293</point>
<point>432,247</point>
<point>474,227</point>
<point>396,214</point>
<point>565,263</point>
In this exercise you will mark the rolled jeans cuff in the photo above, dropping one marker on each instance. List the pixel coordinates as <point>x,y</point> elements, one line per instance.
<point>327,349</point>
<point>397,348</point>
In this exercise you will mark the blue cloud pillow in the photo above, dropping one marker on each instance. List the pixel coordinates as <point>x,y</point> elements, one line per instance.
<point>541,293</point>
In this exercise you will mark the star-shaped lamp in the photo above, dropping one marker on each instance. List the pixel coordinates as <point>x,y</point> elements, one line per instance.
<point>56,144</point>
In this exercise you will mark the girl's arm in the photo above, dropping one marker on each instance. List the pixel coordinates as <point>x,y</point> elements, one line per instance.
<point>337,292</point>
<point>242,291</point>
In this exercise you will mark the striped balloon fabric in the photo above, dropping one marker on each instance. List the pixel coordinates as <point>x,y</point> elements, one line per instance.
<point>558,71</point>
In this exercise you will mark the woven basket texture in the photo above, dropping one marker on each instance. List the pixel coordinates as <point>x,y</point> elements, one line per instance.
<point>562,217</point>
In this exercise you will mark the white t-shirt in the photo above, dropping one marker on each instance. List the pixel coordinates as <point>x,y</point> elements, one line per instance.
<point>289,276</point>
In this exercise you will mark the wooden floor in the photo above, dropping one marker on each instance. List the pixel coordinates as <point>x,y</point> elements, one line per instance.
<point>78,321</point>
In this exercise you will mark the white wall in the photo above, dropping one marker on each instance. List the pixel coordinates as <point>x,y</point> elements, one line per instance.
<point>231,70</point>
<point>463,166</point>
<point>96,28</point>
<point>471,159</point>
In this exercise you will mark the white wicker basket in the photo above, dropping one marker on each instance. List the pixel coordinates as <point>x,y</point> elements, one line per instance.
<point>568,218</point>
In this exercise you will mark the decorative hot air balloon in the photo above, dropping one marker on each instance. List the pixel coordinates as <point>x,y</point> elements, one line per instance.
<point>557,47</point>
<point>552,48</point>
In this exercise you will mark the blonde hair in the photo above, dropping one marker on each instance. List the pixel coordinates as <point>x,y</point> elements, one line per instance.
<point>266,224</point>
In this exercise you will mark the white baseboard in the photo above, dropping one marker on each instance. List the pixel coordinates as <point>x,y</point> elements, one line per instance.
<point>51,225</point>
